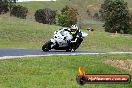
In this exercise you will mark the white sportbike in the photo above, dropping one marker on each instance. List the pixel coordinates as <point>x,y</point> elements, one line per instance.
<point>62,40</point>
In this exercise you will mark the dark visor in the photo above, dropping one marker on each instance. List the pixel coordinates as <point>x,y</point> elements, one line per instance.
<point>72,30</point>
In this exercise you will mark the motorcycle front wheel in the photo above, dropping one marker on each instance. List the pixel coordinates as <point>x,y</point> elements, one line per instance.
<point>47,46</point>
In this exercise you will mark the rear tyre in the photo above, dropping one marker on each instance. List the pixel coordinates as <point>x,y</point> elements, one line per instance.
<point>47,46</point>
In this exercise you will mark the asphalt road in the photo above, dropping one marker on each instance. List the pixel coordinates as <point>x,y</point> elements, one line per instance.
<point>22,52</point>
<point>16,53</point>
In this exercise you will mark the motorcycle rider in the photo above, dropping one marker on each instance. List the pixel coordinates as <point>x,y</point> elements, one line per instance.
<point>76,40</point>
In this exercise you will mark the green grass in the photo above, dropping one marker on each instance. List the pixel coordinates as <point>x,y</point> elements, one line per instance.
<point>107,41</point>
<point>57,71</point>
<point>21,33</point>
<point>16,32</point>
<point>39,5</point>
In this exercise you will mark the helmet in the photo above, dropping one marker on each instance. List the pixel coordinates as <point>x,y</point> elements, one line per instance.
<point>74,29</point>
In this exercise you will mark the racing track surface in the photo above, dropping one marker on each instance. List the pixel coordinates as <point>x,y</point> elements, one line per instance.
<point>17,53</point>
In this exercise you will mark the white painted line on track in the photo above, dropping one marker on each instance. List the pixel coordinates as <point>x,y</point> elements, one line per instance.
<point>119,52</point>
<point>13,57</point>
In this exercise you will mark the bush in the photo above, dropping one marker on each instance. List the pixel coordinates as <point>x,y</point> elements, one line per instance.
<point>88,13</point>
<point>67,17</point>
<point>96,16</point>
<point>19,11</point>
<point>3,7</point>
<point>45,16</point>
<point>116,16</point>
<point>130,30</point>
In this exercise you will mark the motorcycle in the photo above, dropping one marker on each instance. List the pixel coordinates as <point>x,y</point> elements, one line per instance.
<point>62,41</point>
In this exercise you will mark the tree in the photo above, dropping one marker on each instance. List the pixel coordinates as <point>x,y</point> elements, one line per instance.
<point>7,5</point>
<point>115,13</point>
<point>130,30</point>
<point>45,16</point>
<point>67,17</point>
<point>3,7</point>
<point>11,4</point>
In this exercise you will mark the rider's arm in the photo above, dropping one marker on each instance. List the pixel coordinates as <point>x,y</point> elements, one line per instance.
<point>74,40</point>
<point>79,35</point>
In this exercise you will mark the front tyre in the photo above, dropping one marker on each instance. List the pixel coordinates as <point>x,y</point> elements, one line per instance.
<point>47,46</point>
<point>69,49</point>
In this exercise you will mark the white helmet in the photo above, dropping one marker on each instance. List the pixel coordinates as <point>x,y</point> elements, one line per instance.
<point>74,29</point>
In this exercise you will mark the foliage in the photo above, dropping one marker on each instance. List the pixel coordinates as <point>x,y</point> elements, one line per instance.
<point>6,5</point>
<point>116,16</point>
<point>96,16</point>
<point>11,3</point>
<point>88,13</point>
<point>67,17</point>
<point>19,11</point>
<point>130,30</point>
<point>45,16</point>
<point>3,7</point>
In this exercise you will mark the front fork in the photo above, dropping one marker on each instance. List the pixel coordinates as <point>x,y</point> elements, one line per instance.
<point>53,43</point>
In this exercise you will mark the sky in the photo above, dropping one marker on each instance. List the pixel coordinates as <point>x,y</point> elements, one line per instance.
<point>33,0</point>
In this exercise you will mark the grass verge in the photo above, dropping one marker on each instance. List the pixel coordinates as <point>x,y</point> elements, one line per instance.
<point>57,71</point>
